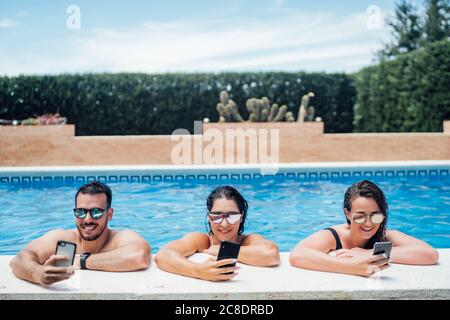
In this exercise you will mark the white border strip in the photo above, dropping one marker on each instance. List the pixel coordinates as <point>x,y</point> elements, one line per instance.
<point>233,167</point>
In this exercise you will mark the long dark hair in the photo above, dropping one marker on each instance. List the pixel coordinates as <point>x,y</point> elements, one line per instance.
<point>368,189</point>
<point>230,193</point>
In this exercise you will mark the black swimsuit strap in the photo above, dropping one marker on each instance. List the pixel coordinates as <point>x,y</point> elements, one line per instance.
<point>336,237</point>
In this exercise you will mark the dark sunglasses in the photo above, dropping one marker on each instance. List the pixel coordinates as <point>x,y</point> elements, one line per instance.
<point>96,213</point>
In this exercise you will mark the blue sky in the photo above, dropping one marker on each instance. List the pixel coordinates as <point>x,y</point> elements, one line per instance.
<point>190,36</point>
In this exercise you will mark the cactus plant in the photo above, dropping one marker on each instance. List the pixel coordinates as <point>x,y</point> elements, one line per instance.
<point>224,113</point>
<point>302,110</point>
<point>273,112</point>
<point>260,110</point>
<point>290,117</point>
<point>254,108</point>
<point>227,109</point>
<point>280,114</point>
<point>310,113</point>
<point>265,109</point>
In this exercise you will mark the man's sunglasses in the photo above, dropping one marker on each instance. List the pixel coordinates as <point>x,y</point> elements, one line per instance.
<point>217,217</point>
<point>96,213</point>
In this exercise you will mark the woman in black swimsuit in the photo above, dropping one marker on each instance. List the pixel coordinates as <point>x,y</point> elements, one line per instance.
<point>348,248</point>
<point>227,211</point>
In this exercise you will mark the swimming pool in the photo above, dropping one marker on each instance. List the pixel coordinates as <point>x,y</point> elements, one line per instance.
<point>163,203</point>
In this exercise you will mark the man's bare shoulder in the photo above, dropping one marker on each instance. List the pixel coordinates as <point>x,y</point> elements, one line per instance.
<point>122,237</point>
<point>53,236</point>
<point>45,245</point>
<point>61,234</point>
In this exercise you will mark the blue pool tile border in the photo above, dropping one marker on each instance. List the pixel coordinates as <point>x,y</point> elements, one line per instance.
<point>300,174</point>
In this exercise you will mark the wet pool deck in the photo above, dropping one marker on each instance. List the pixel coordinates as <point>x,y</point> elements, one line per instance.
<point>282,282</point>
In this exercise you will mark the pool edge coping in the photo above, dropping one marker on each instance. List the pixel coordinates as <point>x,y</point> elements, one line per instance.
<point>255,166</point>
<point>429,286</point>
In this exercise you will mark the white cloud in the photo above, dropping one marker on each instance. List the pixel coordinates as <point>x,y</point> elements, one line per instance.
<point>296,41</point>
<point>7,24</point>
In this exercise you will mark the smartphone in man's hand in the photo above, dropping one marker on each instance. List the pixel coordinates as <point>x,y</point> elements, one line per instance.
<point>68,249</point>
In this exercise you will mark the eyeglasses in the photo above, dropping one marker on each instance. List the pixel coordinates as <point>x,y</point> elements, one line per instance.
<point>375,218</point>
<point>96,213</point>
<point>217,217</point>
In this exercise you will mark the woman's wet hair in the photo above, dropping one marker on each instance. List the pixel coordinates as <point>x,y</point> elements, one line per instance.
<point>368,189</point>
<point>229,193</point>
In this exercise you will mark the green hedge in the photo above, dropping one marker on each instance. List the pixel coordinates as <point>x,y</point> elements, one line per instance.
<point>119,104</point>
<point>410,93</point>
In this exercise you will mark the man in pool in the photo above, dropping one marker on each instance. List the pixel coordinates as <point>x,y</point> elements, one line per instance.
<point>98,247</point>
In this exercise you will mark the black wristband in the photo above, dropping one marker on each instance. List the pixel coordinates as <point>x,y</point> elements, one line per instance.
<point>83,258</point>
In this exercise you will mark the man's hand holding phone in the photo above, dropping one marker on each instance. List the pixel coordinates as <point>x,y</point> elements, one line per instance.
<point>50,273</point>
<point>59,266</point>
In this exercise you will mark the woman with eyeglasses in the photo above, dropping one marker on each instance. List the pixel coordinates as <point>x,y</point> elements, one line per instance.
<point>348,248</point>
<point>227,212</point>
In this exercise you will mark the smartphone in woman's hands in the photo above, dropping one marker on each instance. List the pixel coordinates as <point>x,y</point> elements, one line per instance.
<point>228,250</point>
<point>382,248</point>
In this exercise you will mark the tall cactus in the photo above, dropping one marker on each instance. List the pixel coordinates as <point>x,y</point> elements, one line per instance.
<point>280,114</point>
<point>273,112</point>
<point>227,109</point>
<point>302,110</point>
<point>265,109</point>
<point>224,113</point>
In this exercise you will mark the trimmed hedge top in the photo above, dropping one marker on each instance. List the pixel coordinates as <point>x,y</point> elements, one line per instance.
<point>127,104</point>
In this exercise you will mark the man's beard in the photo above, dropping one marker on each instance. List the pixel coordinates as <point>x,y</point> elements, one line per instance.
<point>93,237</point>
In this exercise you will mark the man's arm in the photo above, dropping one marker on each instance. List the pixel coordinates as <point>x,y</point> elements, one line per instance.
<point>131,253</point>
<point>35,263</point>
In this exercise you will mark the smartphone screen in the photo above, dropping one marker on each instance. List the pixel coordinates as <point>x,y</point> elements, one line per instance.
<point>67,249</point>
<point>382,248</point>
<point>228,250</point>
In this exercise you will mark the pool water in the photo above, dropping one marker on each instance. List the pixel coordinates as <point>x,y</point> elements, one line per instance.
<point>283,210</point>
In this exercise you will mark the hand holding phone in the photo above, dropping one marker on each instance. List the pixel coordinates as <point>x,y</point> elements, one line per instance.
<point>383,248</point>
<point>228,250</point>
